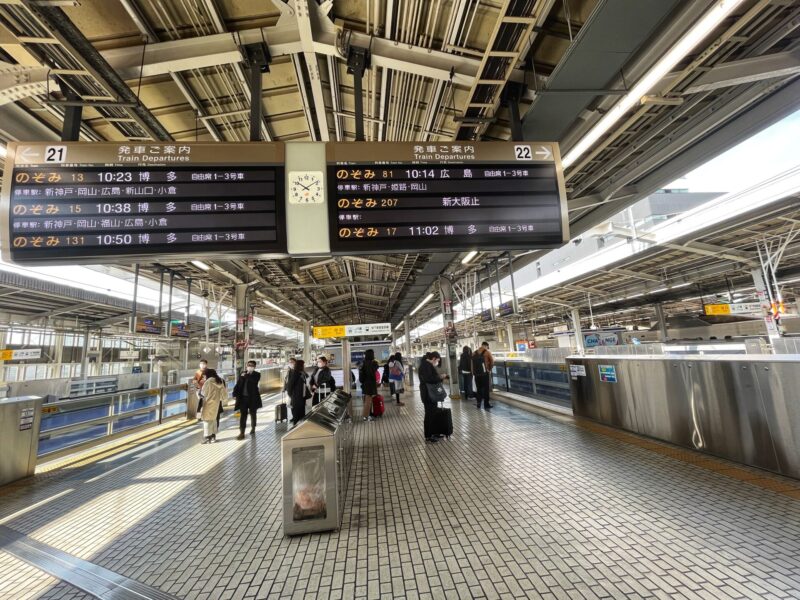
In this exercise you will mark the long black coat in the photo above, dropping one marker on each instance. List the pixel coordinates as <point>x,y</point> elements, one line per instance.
<point>296,387</point>
<point>246,391</point>
<point>366,375</point>
<point>427,374</point>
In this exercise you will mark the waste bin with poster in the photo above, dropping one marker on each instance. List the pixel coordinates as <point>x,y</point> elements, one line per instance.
<point>315,461</point>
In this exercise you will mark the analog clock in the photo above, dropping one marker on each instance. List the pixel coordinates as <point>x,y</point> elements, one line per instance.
<point>305,187</point>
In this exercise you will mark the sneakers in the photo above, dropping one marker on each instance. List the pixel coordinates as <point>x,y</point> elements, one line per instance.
<point>240,436</point>
<point>432,439</point>
<point>400,403</point>
<point>252,433</point>
<point>206,440</point>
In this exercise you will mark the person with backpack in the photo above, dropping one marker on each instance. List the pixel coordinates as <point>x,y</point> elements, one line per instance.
<point>322,382</point>
<point>369,384</point>
<point>482,365</point>
<point>298,391</point>
<point>215,393</point>
<point>396,376</point>
<point>465,370</point>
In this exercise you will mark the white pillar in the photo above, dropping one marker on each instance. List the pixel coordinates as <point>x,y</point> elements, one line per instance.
<point>306,341</point>
<point>510,336</point>
<point>576,326</point>
<point>662,323</point>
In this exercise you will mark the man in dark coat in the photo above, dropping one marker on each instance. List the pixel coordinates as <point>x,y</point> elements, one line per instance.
<point>429,375</point>
<point>248,397</point>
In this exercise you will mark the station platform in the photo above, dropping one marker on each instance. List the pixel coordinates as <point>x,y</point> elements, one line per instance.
<point>517,504</point>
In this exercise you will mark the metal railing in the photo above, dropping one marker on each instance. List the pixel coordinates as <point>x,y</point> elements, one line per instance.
<point>68,425</point>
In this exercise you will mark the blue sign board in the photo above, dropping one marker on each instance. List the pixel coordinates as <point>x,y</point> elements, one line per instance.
<point>608,373</point>
<point>356,358</point>
<point>486,315</point>
<point>505,309</point>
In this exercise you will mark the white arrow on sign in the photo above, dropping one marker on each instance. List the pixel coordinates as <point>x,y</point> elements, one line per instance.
<point>545,152</point>
<point>28,154</point>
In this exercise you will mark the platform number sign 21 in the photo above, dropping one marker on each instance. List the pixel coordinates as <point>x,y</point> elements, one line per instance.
<point>522,152</point>
<point>55,154</point>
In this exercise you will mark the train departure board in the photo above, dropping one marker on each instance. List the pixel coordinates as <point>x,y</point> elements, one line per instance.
<point>85,202</point>
<point>414,197</point>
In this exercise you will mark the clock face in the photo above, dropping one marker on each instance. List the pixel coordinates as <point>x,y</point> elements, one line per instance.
<point>305,187</point>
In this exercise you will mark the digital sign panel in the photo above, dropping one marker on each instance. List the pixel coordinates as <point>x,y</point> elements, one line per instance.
<point>412,197</point>
<point>84,202</point>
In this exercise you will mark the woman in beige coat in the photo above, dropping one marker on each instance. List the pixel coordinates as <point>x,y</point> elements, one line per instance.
<point>214,395</point>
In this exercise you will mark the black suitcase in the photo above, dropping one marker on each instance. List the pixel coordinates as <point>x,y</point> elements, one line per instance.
<point>443,422</point>
<point>281,412</point>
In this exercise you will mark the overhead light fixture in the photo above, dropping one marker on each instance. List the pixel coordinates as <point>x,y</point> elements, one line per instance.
<point>679,285</point>
<point>3,151</point>
<point>658,290</point>
<point>399,325</point>
<point>685,45</point>
<point>469,257</point>
<point>420,305</point>
<point>200,264</point>
<point>280,310</point>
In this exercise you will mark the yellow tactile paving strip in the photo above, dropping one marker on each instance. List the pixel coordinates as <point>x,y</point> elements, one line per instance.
<point>762,479</point>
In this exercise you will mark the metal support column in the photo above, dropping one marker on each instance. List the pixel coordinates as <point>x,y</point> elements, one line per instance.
<point>576,326</point>
<point>169,309</point>
<point>161,298</point>
<point>513,285</point>
<point>410,357</point>
<point>71,129</point>
<point>240,345</point>
<point>132,326</point>
<point>662,324</point>
<point>186,323</point>
<point>85,355</point>
<point>258,58</point>
<point>306,341</point>
<point>357,63</point>
<point>764,299</point>
<point>513,92</point>
<point>346,367</point>
<point>450,337</point>
<point>510,336</point>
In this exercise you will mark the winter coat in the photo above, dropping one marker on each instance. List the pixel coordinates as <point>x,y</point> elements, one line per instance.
<point>427,374</point>
<point>214,395</point>
<point>322,378</point>
<point>366,376</point>
<point>296,387</point>
<point>246,391</point>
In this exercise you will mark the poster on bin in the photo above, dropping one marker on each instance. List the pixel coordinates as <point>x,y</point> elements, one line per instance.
<point>308,484</point>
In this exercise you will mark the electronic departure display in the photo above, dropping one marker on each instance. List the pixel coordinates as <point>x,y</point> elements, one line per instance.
<point>412,197</point>
<point>82,202</point>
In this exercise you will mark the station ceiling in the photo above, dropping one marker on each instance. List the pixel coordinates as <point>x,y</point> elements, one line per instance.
<point>151,69</point>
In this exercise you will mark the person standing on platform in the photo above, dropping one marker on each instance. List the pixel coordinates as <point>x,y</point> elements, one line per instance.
<point>199,379</point>
<point>482,365</point>
<point>369,384</point>
<point>427,373</point>
<point>396,376</point>
<point>322,382</point>
<point>465,369</point>
<point>289,369</point>
<point>248,398</point>
<point>296,387</point>
<point>214,394</point>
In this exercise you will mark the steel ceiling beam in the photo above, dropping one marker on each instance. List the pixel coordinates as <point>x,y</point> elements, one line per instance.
<point>748,70</point>
<point>74,42</point>
<point>303,12</point>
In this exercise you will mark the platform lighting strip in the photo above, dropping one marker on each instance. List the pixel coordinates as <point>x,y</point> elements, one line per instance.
<point>2,151</point>
<point>685,45</point>
<point>469,257</point>
<point>200,265</point>
<point>280,310</point>
<point>420,305</point>
<point>399,325</point>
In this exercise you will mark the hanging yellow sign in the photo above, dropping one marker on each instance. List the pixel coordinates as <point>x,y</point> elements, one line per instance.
<point>717,309</point>
<point>330,331</point>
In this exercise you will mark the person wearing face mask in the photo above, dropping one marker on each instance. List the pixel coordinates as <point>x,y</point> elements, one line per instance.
<point>322,382</point>
<point>428,374</point>
<point>289,369</point>
<point>248,398</point>
<point>199,379</point>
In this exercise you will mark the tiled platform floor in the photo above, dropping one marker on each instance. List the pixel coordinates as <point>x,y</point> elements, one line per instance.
<point>516,505</point>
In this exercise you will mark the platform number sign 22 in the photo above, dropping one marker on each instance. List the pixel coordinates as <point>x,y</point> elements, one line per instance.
<point>522,152</point>
<point>55,154</point>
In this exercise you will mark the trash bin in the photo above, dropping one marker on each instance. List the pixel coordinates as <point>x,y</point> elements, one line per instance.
<point>20,419</point>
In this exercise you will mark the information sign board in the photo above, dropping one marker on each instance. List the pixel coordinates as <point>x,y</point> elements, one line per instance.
<point>336,331</point>
<point>608,373</point>
<point>148,325</point>
<point>743,308</point>
<point>80,202</point>
<point>330,331</point>
<point>21,354</point>
<point>412,197</point>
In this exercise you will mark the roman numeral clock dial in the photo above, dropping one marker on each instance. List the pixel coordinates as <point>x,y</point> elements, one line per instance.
<point>305,187</point>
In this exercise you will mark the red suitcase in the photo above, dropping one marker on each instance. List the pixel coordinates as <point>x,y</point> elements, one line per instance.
<point>378,407</point>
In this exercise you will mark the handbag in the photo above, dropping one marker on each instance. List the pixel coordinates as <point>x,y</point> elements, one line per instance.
<point>436,392</point>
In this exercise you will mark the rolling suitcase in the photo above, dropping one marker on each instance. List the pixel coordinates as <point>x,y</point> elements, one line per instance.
<point>378,406</point>
<point>281,412</point>
<point>443,422</point>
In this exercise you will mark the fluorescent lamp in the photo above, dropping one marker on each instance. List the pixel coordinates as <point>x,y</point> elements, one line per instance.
<point>679,285</point>
<point>420,305</point>
<point>658,290</point>
<point>686,44</point>
<point>469,257</point>
<point>2,151</point>
<point>399,325</point>
<point>200,264</point>
<point>280,310</point>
